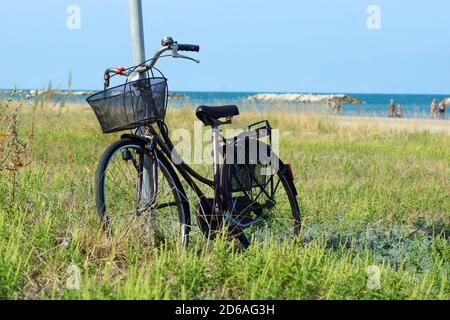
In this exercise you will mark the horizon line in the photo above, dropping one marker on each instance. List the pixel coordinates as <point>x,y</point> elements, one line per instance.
<point>255,92</point>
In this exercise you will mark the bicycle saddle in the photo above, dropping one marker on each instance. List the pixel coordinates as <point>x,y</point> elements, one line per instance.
<point>210,115</point>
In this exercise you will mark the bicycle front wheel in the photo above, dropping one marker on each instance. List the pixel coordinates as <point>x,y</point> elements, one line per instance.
<point>138,191</point>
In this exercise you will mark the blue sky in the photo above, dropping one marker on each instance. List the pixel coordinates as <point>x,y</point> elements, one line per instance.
<point>251,45</point>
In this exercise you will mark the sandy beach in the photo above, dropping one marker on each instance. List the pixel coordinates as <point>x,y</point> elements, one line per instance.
<point>411,125</point>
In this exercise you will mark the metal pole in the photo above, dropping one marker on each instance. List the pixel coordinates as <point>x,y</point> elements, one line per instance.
<point>137,31</point>
<point>137,43</point>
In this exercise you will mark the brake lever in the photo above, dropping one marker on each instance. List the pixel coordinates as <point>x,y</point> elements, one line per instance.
<point>186,57</point>
<point>175,54</point>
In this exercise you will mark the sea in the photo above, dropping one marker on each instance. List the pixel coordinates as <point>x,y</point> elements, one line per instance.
<point>376,105</point>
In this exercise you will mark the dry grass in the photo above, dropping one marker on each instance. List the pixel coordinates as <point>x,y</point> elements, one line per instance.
<point>370,194</point>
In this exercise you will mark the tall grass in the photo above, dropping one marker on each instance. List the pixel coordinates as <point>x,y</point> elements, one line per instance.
<point>369,197</point>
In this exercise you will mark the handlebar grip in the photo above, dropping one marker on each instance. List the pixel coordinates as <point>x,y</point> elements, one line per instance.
<point>188,47</point>
<point>106,80</point>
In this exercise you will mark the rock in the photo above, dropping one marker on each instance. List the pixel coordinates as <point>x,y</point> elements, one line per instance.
<point>80,93</point>
<point>174,95</point>
<point>348,99</point>
<point>304,98</point>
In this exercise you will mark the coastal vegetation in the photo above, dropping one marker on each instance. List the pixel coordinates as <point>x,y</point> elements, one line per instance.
<point>375,204</point>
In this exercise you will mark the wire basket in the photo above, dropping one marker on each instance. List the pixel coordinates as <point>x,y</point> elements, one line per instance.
<point>131,105</point>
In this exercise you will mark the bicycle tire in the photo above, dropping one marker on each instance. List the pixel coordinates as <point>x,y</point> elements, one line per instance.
<point>169,174</point>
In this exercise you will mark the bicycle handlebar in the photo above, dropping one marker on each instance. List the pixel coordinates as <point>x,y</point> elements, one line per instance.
<point>168,45</point>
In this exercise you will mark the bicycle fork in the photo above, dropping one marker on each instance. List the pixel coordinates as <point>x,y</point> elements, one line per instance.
<point>147,177</point>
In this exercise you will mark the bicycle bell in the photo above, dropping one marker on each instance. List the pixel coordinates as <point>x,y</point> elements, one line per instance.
<point>167,41</point>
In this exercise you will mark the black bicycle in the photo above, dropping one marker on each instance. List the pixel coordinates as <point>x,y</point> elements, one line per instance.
<point>253,194</point>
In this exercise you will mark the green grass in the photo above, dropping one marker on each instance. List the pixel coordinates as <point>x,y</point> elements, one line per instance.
<point>369,197</point>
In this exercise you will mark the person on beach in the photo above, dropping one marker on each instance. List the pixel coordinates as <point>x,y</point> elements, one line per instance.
<point>392,109</point>
<point>399,111</point>
<point>433,109</point>
<point>333,106</point>
<point>442,110</point>
<point>337,107</point>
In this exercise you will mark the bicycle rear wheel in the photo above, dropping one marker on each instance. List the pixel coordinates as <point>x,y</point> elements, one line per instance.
<point>129,200</point>
<point>267,210</point>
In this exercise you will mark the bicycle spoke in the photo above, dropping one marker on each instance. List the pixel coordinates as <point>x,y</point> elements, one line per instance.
<point>157,216</point>
<point>266,214</point>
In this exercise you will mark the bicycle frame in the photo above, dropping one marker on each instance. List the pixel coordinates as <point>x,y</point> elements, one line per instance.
<point>166,147</point>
